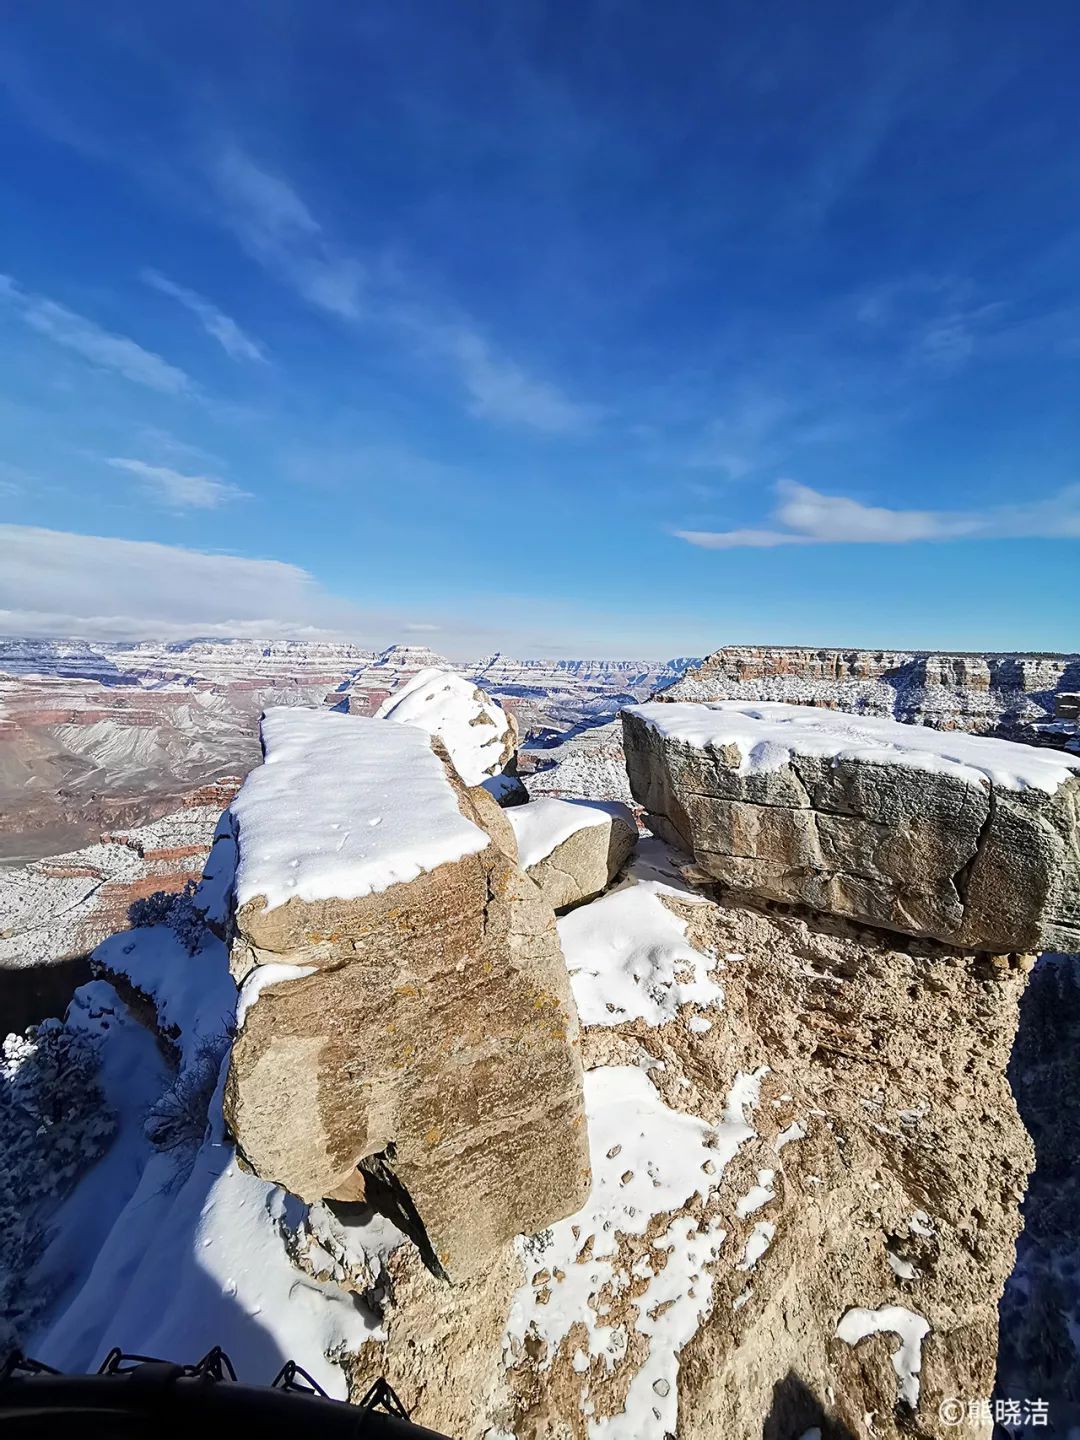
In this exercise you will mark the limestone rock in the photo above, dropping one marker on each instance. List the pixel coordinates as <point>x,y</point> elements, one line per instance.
<point>973,841</point>
<point>405,1005</point>
<point>479,735</point>
<point>573,849</point>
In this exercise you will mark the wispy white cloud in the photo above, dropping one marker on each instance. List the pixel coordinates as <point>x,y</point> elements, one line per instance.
<point>278,229</point>
<point>275,227</point>
<point>810,518</point>
<point>93,343</point>
<point>56,583</point>
<point>236,343</point>
<point>499,389</point>
<point>178,491</point>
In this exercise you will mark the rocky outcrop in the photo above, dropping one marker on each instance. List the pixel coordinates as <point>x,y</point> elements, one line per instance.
<point>807,1168</point>
<point>987,694</point>
<point>407,1030</point>
<point>476,732</point>
<point>805,1160</point>
<point>973,841</point>
<point>572,849</point>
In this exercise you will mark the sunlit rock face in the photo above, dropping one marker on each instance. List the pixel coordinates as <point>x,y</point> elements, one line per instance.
<point>407,1027</point>
<point>973,841</point>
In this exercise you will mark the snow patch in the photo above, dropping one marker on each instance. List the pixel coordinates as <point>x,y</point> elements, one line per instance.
<point>856,1324</point>
<point>758,1241</point>
<point>647,1160</point>
<point>758,1195</point>
<point>262,976</point>
<point>901,1268</point>
<point>794,1132</point>
<point>543,824</point>
<point>628,955</point>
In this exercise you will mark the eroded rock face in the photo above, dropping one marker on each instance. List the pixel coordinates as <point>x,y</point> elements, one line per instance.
<point>973,841</point>
<point>426,1033</point>
<point>572,849</point>
<point>987,694</point>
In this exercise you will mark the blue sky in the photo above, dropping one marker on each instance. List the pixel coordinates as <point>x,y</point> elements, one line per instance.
<point>560,329</point>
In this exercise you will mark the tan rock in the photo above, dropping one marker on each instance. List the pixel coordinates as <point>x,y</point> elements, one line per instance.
<point>971,840</point>
<point>430,1037</point>
<point>879,1166</point>
<point>573,849</point>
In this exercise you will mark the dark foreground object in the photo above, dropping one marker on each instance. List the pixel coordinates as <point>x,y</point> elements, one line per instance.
<point>134,1395</point>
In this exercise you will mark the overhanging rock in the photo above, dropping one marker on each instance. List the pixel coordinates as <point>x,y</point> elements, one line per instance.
<point>404,1007</point>
<point>972,841</point>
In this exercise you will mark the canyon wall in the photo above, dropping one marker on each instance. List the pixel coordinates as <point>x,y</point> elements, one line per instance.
<point>1011,695</point>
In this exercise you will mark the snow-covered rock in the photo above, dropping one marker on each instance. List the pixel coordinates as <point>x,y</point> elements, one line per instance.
<point>965,838</point>
<point>406,1013</point>
<point>479,736</point>
<point>573,849</point>
<point>1007,695</point>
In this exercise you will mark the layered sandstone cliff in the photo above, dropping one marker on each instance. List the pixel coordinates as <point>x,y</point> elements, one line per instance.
<point>1007,694</point>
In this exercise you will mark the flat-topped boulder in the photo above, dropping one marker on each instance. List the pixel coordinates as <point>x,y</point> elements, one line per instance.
<point>406,1024</point>
<point>969,840</point>
<point>573,849</point>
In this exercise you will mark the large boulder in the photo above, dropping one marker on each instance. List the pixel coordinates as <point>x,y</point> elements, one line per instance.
<point>406,1028</point>
<point>573,849</point>
<point>480,737</point>
<point>972,841</point>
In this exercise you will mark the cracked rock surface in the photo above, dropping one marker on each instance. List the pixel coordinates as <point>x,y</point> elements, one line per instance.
<point>926,852</point>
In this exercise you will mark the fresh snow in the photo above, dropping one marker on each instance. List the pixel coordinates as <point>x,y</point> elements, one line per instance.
<point>794,1132</point>
<point>911,1329</point>
<point>344,806</point>
<point>627,952</point>
<point>194,995</point>
<point>471,726</point>
<point>901,1268</point>
<point>767,734</point>
<point>543,824</point>
<point>170,1252</point>
<point>758,1195</point>
<point>758,1241</point>
<point>647,1160</point>
<point>260,977</point>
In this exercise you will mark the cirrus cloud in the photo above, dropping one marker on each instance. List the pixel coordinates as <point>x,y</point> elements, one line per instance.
<point>236,343</point>
<point>808,517</point>
<point>94,344</point>
<point>179,491</point>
